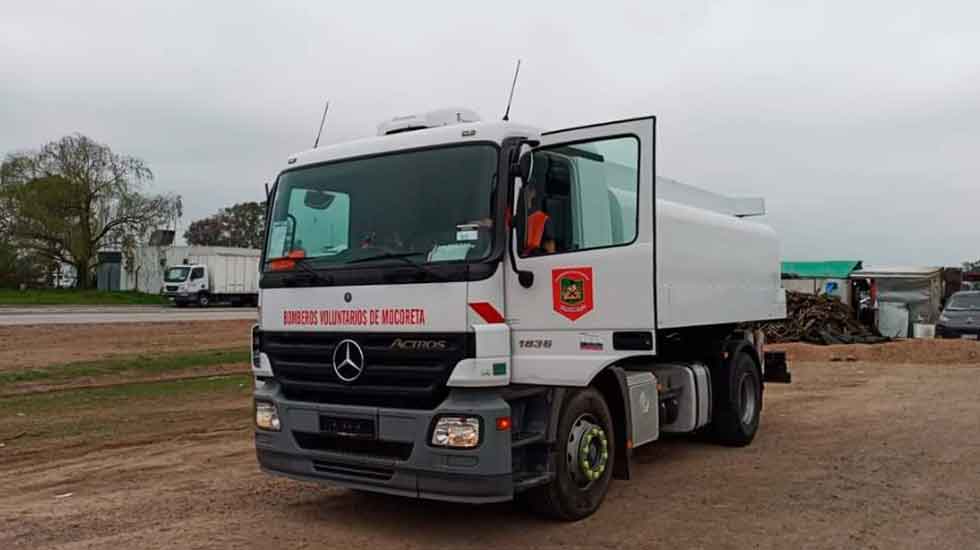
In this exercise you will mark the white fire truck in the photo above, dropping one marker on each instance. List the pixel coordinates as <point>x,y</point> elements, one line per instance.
<point>481,311</point>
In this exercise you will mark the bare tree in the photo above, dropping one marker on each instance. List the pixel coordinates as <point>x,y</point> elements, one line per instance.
<point>74,197</point>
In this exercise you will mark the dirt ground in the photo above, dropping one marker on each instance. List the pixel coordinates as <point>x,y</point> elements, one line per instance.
<point>851,455</point>
<point>913,352</point>
<point>40,345</point>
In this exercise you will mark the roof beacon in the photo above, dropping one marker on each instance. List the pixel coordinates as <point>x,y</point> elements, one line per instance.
<point>431,119</point>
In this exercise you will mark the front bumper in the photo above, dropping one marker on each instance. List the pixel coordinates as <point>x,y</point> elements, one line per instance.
<point>399,459</point>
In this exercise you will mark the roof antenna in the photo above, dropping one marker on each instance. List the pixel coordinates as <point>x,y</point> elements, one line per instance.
<point>322,120</point>
<point>512,86</point>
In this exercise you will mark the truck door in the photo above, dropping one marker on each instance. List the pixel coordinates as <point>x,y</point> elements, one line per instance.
<point>584,228</point>
<point>198,279</point>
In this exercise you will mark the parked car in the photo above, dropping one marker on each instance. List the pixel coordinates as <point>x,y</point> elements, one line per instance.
<point>961,317</point>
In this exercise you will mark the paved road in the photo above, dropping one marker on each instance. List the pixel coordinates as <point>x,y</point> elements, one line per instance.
<point>71,315</point>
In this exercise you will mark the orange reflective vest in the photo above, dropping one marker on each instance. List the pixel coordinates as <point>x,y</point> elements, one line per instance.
<point>535,231</point>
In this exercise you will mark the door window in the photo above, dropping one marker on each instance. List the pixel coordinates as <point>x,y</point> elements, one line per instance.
<point>580,196</point>
<point>197,273</point>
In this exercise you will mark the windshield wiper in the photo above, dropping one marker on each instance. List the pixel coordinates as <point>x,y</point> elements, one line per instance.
<point>317,276</point>
<point>388,256</point>
<point>404,257</point>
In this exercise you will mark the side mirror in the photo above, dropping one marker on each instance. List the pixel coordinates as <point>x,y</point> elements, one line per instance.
<point>522,169</point>
<point>525,165</point>
<point>524,277</point>
<point>525,162</point>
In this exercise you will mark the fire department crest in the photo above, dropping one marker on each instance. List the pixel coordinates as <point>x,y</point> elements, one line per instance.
<point>572,291</point>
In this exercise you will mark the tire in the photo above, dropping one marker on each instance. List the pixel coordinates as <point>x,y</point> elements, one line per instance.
<point>203,299</point>
<point>738,403</point>
<point>579,488</point>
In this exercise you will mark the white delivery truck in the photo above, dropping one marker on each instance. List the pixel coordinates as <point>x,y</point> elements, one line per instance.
<point>479,311</point>
<point>212,274</point>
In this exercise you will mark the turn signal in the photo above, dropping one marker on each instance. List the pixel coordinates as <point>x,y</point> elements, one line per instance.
<point>287,262</point>
<point>503,423</point>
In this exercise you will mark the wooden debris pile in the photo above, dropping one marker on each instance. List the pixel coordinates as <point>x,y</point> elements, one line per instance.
<point>818,320</point>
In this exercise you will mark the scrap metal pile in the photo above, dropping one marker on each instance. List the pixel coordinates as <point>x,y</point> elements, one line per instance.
<point>818,320</point>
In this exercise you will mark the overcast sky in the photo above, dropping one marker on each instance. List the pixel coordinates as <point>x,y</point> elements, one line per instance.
<point>858,121</point>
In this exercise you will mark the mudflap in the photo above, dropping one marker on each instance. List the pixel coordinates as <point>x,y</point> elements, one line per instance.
<point>624,427</point>
<point>776,369</point>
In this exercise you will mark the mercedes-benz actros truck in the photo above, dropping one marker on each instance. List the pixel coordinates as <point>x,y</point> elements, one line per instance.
<point>482,311</point>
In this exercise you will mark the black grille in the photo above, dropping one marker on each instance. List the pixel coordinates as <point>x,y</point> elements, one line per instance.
<point>361,447</point>
<point>171,288</point>
<point>397,378</point>
<point>350,470</point>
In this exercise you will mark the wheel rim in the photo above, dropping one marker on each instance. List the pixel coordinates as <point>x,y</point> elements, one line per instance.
<point>748,398</point>
<point>587,451</point>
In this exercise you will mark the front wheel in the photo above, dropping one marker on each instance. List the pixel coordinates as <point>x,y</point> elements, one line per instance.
<point>203,300</point>
<point>585,455</point>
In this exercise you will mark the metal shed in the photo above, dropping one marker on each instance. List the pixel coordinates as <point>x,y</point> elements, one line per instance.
<point>903,296</point>
<point>107,276</point>
<point>828,277</point>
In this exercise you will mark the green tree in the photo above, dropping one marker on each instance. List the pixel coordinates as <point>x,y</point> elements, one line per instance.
<point>75,196</point>
<point>18,267</point>
<point>239,225</point>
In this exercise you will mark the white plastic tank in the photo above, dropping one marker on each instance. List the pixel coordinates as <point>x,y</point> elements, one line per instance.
<point>923,330</point>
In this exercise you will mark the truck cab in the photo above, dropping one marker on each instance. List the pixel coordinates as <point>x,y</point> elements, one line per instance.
<point>186,284</point>
<point>480,311</point>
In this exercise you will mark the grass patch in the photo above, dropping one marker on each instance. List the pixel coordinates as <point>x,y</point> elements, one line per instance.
<point>77,401</point>
<point>66,296</point>
<point>136,364</point>
<point>140,409</point>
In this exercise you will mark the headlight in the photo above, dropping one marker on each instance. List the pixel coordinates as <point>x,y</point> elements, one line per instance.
<point>266,416</point>
<point>461,432</point>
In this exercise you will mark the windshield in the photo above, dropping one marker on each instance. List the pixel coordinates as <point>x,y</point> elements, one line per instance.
<point>430,206</point>
<point>176,274</point>
<point>964,301</point>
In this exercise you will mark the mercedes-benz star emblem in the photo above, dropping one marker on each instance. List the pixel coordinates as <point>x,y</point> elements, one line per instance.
<point>348,360</point>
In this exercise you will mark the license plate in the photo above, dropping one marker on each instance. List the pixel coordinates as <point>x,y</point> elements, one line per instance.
<point>968,336</point>
<point>361,428</point>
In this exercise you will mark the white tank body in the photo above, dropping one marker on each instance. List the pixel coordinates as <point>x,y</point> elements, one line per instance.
<point>713,267</point>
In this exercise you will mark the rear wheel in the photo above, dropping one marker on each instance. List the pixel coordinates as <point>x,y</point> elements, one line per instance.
<point>738,402</point>
<point>586,452</point>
